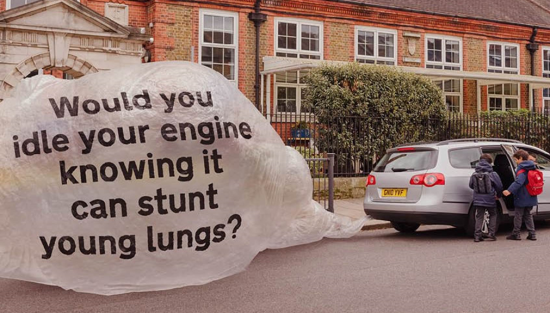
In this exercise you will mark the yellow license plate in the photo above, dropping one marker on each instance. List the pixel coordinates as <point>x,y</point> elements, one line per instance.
<point>399,193</point>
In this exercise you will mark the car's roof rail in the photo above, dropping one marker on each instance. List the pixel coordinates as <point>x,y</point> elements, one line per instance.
<point>477,140</point>
<point>416,143</point>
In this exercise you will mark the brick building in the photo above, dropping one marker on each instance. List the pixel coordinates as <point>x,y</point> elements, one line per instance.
<point>485,55</point>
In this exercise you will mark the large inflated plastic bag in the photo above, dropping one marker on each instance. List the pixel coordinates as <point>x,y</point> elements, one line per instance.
<point>97,215</point>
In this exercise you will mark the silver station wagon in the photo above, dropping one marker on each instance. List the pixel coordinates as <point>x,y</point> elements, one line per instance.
<point>427,183</point>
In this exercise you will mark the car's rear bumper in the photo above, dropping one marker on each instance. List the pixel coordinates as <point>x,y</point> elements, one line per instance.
<point>426,218</point>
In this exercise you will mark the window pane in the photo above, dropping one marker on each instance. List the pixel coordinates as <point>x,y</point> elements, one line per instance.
<point>281,42</point>
<point>385,45</point>
<point>228,24</point>
<point>452,54</point>
<point>228,38</point>
<point>228,56</point>
<point>292,30</point>
<point>511,104</point>
<point>218,37</point>
<point>291,43</point>
<point>314,45</point>
<point>218,68</point>
<point>361,49</point>
<point>495,104</point>
<point>306,31</point>
<point>291,77</point>
<point>366,43</point>
<point>495,55</point>
<point>511,57</point>
<point>281,93</point>
<point>208,37</point>
<point>546,60</point>
<point>511,51</point>
<point>286,99</point>
<point>206,55</point>
<point>515,89</point>
<point>281,105</point>
<point>453,103</point>
<point>389,52</point>
<point>305,44</point>
<point>207,21</point>
<point>229,72</point>
<point>431,44</point>
<point>218,23</point>
<point>495,89</point>
<point>452,85</point>
<point>381,51</point>
<point>282,29</point>
<point>218,55</point>
<point>434,50</point>
<point>510,89</point>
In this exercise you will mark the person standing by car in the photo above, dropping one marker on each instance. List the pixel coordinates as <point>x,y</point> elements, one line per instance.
<point>487,188</point>
<point>523,201</point>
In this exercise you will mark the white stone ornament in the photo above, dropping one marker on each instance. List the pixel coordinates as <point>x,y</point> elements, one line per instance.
<point>149,177</point>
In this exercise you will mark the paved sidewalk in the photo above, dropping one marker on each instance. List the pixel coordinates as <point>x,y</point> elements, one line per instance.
<point>354,209</point>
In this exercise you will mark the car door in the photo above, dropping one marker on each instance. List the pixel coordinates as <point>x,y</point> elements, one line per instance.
<point>463,162</point>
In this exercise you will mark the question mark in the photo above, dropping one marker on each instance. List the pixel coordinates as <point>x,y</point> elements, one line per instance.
<point>230,220</point>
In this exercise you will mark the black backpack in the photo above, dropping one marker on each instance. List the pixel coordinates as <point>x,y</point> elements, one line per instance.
<point>482,183</point>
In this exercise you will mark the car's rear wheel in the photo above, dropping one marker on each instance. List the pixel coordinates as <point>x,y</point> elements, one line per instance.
<point>470,227</point>
<point>405,227</point>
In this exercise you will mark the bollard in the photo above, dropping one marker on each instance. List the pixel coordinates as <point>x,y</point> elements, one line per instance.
<point>331,182</point>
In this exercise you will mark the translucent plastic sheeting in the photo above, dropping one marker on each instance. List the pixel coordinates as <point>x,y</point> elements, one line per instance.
<point>311,222</point>
<point>149,177</point>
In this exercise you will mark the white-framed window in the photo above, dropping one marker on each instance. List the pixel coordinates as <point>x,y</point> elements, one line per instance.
<point>218,31</point>
<point>375,45</point>
<point>12,4</point>
<point>445,53</point>
<point>296,38</point>
<point>546,73</point>
<point>503,58</point>
<point>289,91</point>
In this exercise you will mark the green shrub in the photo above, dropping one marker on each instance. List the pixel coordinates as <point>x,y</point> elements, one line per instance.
<point>364,109</point>
<point>522,125</point>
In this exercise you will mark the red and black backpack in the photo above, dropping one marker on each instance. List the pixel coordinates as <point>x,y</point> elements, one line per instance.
<point>535,181</point>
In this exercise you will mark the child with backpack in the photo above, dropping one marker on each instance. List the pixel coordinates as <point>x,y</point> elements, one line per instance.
<point>487,188</point>
<point>525,188</point>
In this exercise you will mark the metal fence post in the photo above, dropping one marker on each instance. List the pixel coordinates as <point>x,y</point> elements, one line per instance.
<point>331,182</point>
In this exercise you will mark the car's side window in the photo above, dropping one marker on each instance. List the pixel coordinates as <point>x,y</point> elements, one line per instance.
<point>464,158</point>
<point>542,160</point>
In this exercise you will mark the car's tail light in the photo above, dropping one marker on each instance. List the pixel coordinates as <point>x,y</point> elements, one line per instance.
<point>428,180</point>
<point>417,180</point>
<point>371,180</point>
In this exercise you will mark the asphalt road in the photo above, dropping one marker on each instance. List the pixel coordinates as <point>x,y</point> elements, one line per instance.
<point>436,269</point>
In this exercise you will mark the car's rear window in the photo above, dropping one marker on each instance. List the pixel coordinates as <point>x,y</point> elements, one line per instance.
<point>407,161</point>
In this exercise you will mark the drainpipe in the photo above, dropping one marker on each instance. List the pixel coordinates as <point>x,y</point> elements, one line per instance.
<point>258,18</point>
<point>532,46</point>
